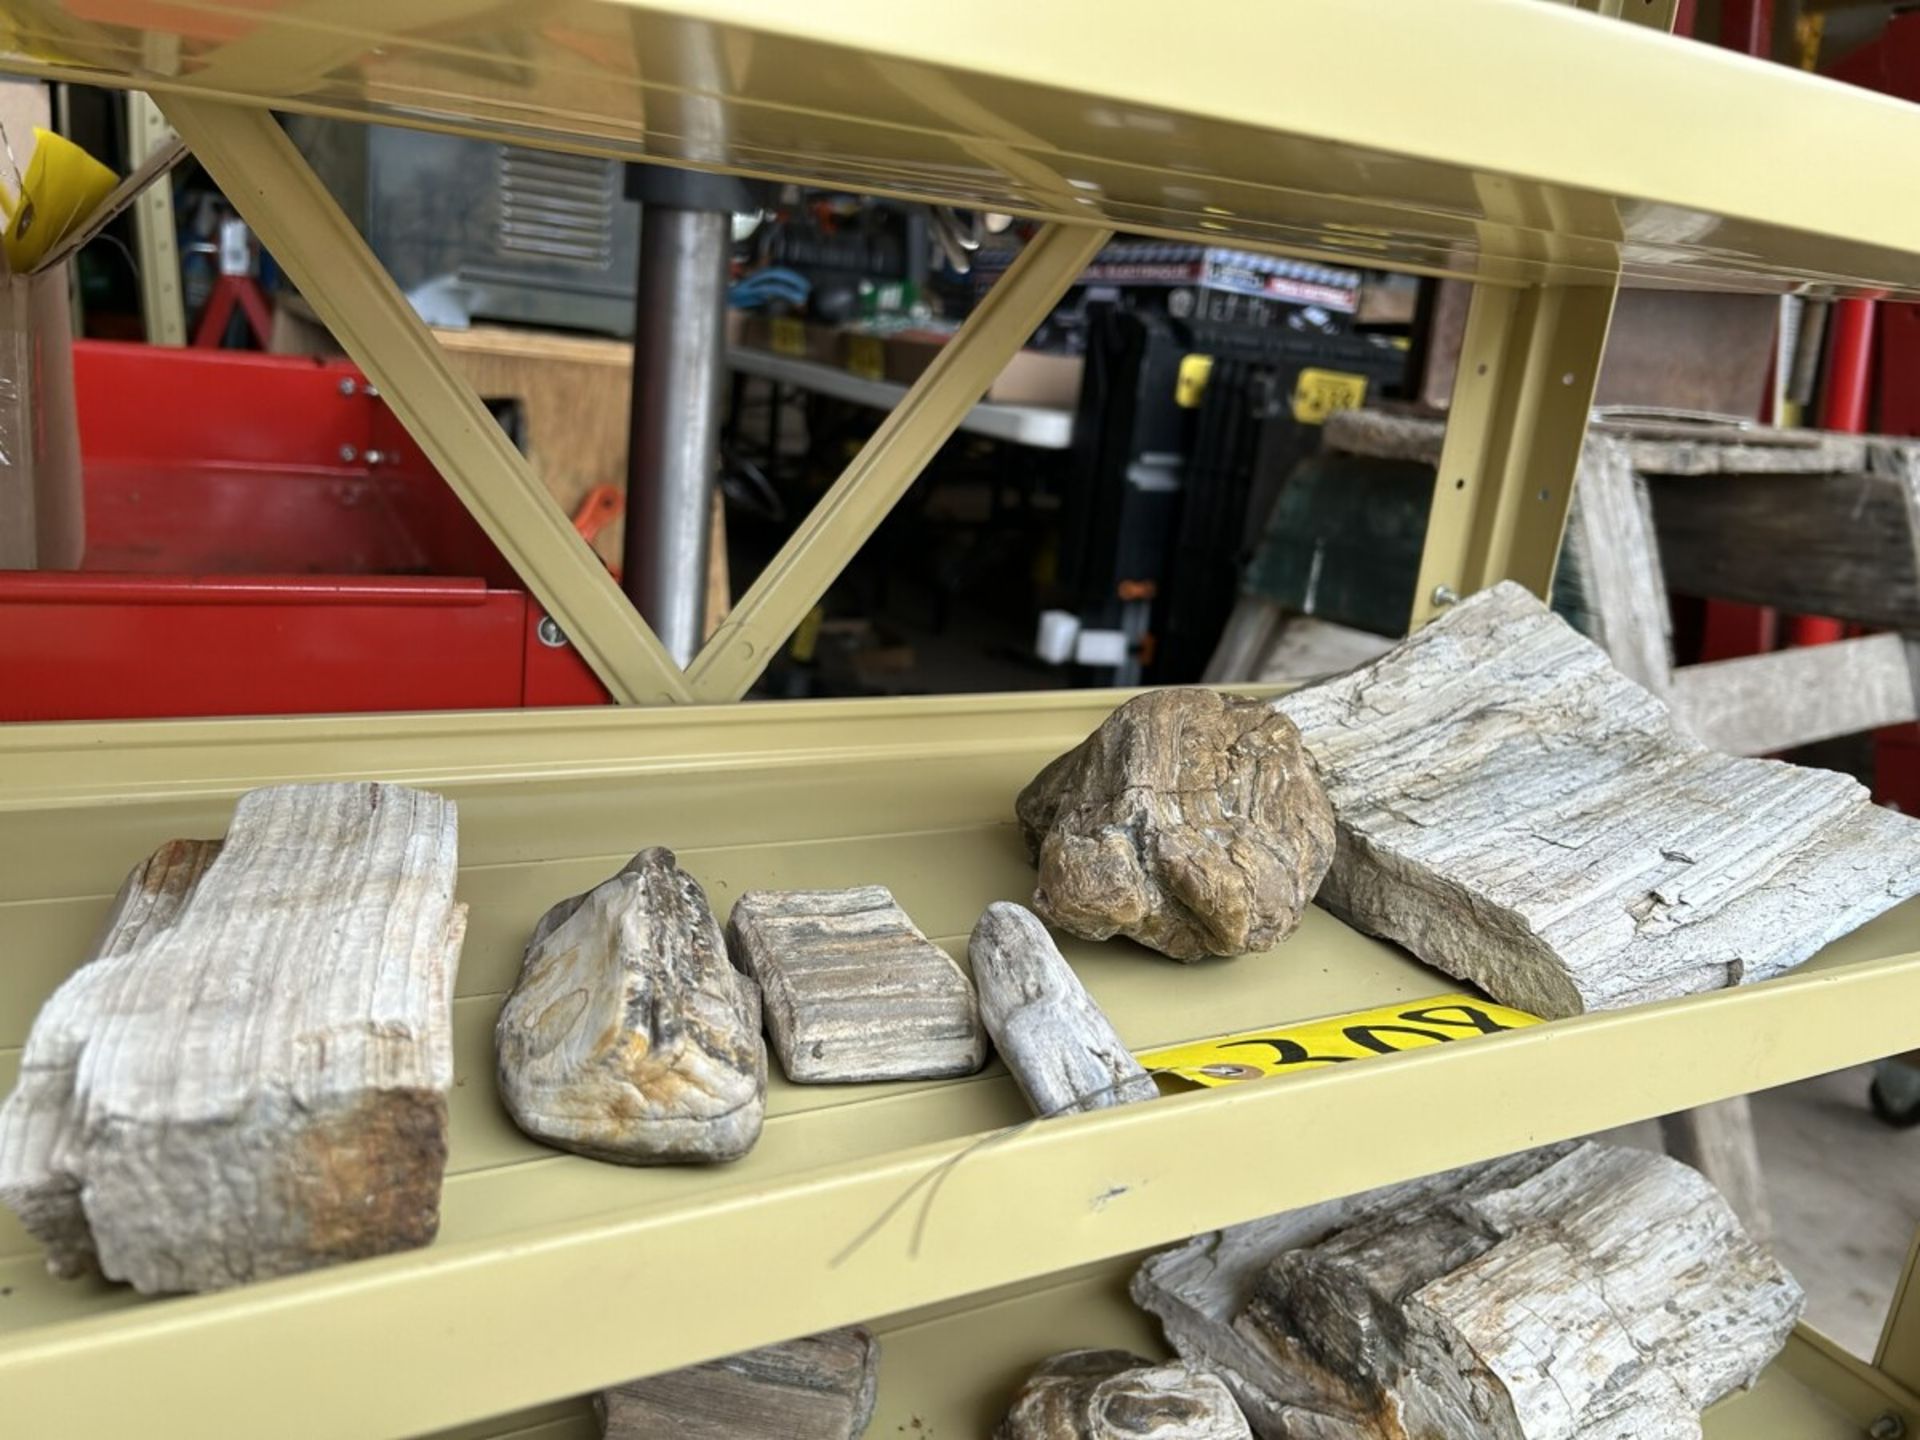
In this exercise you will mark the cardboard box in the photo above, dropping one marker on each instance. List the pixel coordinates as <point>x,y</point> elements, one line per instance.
<point>800,339</point>
<point>1032,377</point>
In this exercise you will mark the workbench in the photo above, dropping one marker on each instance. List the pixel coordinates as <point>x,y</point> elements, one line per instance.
<point>1545,152</point>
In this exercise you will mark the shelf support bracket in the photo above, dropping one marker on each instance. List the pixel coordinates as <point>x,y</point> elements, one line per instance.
<point>270,183</point>
<point>1528,366</point>
<point>927,415</point>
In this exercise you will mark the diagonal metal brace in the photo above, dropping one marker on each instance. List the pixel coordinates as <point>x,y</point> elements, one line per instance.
<point>888,464</point>
<point>278,194</point>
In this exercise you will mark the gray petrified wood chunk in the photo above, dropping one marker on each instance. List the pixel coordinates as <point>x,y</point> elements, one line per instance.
<point>1059,1045</point>
<point>1189,821</point>
<point>629,1035</point>
<point>249,1076</point>
<point>1516,812</point>
<point>818,1388</point>
<point>1114,1395</point>
<point>853,990</point>
<point>1581,1292</point>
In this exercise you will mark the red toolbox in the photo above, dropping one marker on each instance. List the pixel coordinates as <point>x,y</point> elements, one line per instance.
<point>263,538</point>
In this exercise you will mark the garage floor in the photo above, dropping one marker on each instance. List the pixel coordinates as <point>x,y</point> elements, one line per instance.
<point>1845,1191</point>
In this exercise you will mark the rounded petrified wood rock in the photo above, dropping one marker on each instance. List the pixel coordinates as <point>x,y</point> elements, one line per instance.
<point>1113,1395</point>
<point>1190,821</point>
<point>629,1036</point>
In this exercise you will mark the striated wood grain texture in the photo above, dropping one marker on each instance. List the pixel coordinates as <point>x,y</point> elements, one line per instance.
<point>249,1076</point>
<point>629,1036</point>
<point>818,1388</point>
<point>1060,1046</point>
<point>1112,1395</point>
<point>1190,821</point>
<point>1581,1292</point>
<point>1516,812</point>
<point>853,991</point>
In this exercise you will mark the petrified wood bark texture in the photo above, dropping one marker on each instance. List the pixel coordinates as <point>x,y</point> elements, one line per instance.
<point>249,1076</point>
<point>629,1035</point>
<point>818,1388</point>
<point>1190,821</point>
<point>1515,811</point>
<point>1581,1292</point>
<point>853,990</point>
<point>1112,1395</point>
<point>1061,1048</point>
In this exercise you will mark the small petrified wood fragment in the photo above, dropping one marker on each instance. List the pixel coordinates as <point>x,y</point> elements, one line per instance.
<point>1516,812</point>
<point>818,1388</point>
<point>1112,1395</point>
<point>629,1035</point>
<point>248,1077</point>
<point>1060,1046</point>
<point>1580,1292</point>
<point>1190,821</point>
<point>853,990</point>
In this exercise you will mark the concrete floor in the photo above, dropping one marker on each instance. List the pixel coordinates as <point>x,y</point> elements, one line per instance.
<point>1845,1191</point>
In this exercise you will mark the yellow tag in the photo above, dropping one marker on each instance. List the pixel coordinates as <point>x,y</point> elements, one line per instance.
<point>62,187</point>
<point>1318,393</point>
<point>1191,383</point>
<point>1284,1049</point>
<point>789,335</point>
<point>867,357</point>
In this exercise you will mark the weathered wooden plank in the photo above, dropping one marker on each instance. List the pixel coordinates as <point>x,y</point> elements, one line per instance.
<point>1112,1395</point>
<point>1519,814</point>
<point>629,1036</point>
<point>249,1077</point>
<point>1610,542</point>
<point>821,1387</point>
<point>1189,821</point>
<point>1061,1048</point>
<point>852,989</point>
<point>1584,1291</point>
<point>1762,703</point>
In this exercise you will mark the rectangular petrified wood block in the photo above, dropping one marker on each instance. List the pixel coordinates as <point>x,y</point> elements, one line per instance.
<point>248,1077</point>
<point>853,990</point>
<point>1515,811</point>
<point>821,1387</point>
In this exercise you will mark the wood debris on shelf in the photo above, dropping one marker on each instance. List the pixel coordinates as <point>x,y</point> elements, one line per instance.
<point>1190,821</point>
<point>1060,1046</point>
<point>821,1387</point>
<point>629,1036</point>
<point>249,1075</point>
<point>1580,1292</point>
<point>1114,1395</point>
<point>1516,812</point>
<point>853,990</point>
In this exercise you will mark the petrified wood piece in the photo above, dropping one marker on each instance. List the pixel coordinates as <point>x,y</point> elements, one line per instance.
<point>1112,1395</point>
<point>248,1078</point>
<point>818,1388</point>
<point>1584,1291</point>
<point>1189,821</point>
<point>1061,1048</point>
<point>853,990</point>
<point>1516,812</point>
<point>629,1035</point>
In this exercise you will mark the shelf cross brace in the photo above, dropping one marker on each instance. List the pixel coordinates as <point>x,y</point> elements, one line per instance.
<point>270,183</point>
<point>926,417</point>
<point>1529,363</point>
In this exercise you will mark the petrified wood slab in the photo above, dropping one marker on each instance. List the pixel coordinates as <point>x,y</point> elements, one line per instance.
<point>1583,1291</point>
<point>1112,1395</point>
<point>629,1036</point>
<point>1516,812</point>
<point>1060,1046</point>
<point>249,1076</point>
<point>818,1388</point>
<point>853,990</point>
<point>1189,821</point>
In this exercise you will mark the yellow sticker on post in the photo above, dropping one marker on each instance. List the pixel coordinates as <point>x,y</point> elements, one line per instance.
<point>1314,1044</point>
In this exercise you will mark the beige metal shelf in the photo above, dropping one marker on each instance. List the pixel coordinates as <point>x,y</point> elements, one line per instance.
<point>1505,139</point>
<point>555,1274</point>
